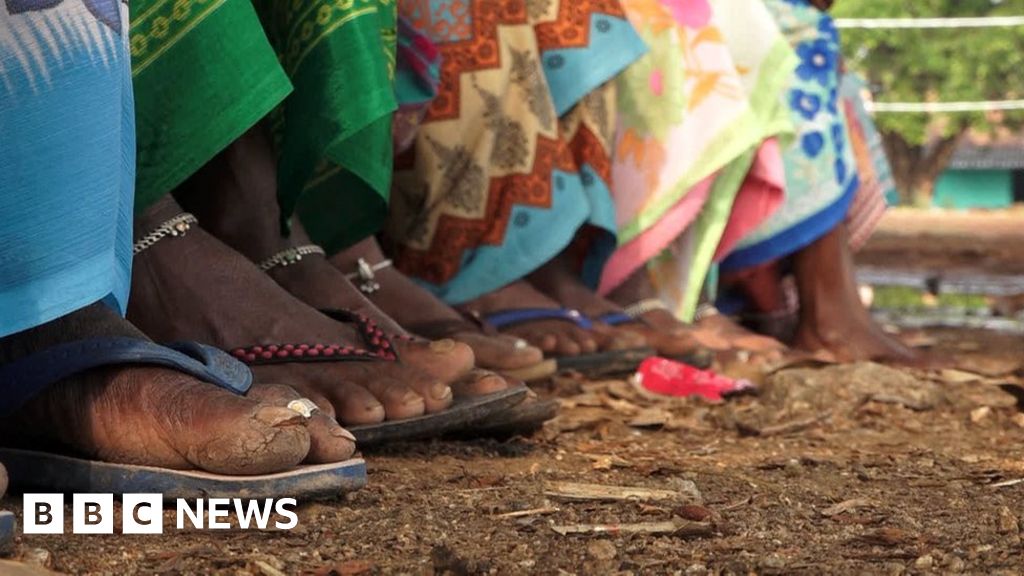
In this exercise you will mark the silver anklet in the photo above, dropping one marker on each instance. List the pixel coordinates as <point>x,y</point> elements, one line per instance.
<point>366,274</point>
<point>290,256</point>
<point>176,226</point>
<point>643,307</point>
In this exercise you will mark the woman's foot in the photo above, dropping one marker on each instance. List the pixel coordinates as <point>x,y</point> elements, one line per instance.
<point>426,315</point>
<point>159,417</point>
<point>668,334</point>
<point>193,287</point>
<point>554,337</point>
<point>832,318</point>
<point>235,197</point>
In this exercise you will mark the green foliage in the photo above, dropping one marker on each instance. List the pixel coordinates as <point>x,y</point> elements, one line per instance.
<point>937,64</point>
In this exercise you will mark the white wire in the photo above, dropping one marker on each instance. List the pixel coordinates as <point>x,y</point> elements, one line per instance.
<point>914,23</point>
<point>939,107</point>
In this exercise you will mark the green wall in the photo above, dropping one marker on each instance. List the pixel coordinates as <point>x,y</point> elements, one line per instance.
<point>974,189</point>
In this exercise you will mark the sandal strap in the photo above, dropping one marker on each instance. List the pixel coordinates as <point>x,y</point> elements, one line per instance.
<point>616,318</point>
<point>25,378</point>
<point>508,318</point>
<point>377,346</point>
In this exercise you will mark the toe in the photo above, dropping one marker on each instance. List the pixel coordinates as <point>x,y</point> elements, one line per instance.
<point>481,382</point>
<point>223,433</point>
<point>354,405</point>
<point>329,442</point>
<point>399,400</point>
<point>446,360</point>
<point>568,346</point>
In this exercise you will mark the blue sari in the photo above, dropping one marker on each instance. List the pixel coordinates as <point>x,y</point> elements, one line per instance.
<point>67,156</point>
<point>821,172</point>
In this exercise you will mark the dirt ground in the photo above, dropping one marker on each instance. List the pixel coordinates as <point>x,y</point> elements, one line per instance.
<point>829,469</point>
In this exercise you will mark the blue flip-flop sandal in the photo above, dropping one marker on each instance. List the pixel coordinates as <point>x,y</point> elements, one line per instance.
<point>25,378</point>
<point>590,365</point>
<point>6,521</point>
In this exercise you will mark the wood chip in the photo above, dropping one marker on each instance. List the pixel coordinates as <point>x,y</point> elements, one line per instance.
<point>1008,483</point>
<point>599,492</point>
<point>846,506</point>
<point>651,418</point>
<point>786,428</point>
<point>979,414</point>
<point>953,376</point>
<point>679,528</point>
<point>267,569</point>
<point>524,513</point>
<point>607,461</point>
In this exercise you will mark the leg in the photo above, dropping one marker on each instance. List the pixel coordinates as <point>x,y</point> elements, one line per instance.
<point>832,317</point>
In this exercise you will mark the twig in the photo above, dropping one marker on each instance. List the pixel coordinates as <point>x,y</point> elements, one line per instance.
<point>574,491</point>
<point>533,512</point>
<point>679,528</point>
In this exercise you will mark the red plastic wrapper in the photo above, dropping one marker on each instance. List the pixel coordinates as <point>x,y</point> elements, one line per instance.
<point>670,378</point>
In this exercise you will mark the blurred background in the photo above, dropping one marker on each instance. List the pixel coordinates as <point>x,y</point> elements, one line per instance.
<point>946,83</point>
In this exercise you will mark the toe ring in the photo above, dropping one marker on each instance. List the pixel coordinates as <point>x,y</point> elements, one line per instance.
<point>303,406</point>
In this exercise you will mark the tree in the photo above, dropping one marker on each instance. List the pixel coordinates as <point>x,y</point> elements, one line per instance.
<point>944,65</point>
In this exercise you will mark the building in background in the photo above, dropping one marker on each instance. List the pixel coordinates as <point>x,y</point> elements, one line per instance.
<point>983,175</point>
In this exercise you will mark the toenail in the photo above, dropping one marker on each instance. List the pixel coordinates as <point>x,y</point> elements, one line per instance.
<point>440,346</point>
<point>440,391</point>
<point>340,432</point>
<point>521,345</point>
<point>275,416</point>
<point>410,398</point>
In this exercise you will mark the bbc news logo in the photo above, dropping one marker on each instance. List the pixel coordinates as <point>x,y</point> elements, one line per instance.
<point>144,514</point>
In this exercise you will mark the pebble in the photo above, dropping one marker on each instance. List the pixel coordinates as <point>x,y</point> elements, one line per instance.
<point>1008,523</point>
<point>38,557</point>
<point>602,550</point>
<point>925,562</point>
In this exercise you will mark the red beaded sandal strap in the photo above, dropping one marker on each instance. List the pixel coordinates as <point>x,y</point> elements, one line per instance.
<point>376,346</point>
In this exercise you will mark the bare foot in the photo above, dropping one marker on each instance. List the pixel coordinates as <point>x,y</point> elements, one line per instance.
<point>155,416</point>
<point>194,287</point>
<point>662,330</point>
<point>832,317</point>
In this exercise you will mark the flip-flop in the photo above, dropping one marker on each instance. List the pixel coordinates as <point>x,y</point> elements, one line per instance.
<point>377,346</point>
<point>24,378</point>
<point>520,420</point>
<point>462,415</point>
<point>6,520</point>
<point>6,533</point>
<point>591,365</point>
<point>699,358</point>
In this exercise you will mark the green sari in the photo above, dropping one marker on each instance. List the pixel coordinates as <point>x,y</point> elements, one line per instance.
<point>206,71</point>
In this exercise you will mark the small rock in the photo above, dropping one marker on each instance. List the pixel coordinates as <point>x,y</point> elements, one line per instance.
<point>924,562</point>
<point>773,562</point>
<point>1008,522</point>
<point>694,512</point>
<point>696,570</point>
<point>38,557</point>
<point>955,564</point>
<point>979,414</point>
<point>602,549</point>
<point>894,569</point>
